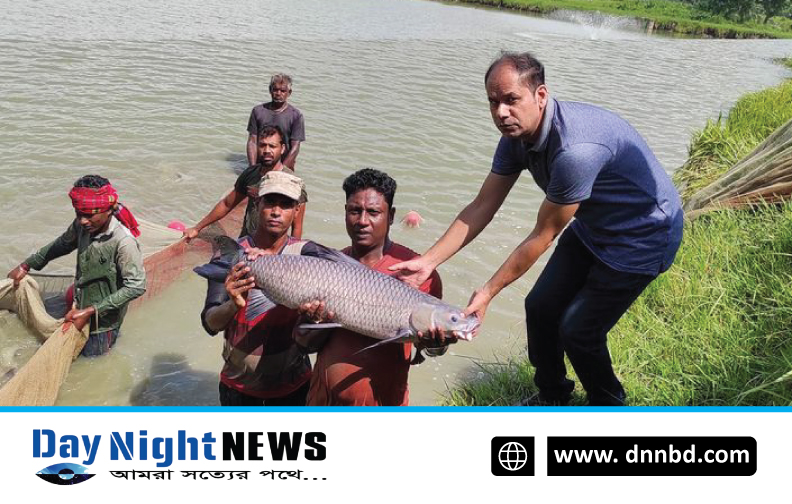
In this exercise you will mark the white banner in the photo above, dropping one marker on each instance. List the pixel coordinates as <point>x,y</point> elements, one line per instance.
<point>365,455</point>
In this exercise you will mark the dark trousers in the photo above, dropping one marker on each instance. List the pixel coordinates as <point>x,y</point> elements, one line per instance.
<point>574,303</point>
<point>232,397</point>
<point>100,343</point>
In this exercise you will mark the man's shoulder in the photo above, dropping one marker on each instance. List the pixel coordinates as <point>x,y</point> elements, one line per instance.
<point>293,110</point>
<point>250,175</point>
<point>401,253</point>
<point>575,119</point>
<point>259,109</point>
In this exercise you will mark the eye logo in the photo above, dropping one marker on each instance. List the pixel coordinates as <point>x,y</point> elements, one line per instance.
<point>64,474</point>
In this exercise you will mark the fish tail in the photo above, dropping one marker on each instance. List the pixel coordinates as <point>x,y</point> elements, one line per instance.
<point>228,250</point>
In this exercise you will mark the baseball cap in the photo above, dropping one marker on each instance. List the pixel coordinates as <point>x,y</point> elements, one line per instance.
<point>280,182</point>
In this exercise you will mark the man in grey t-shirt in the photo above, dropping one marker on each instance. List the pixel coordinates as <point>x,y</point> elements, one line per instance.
<point>593,167</point>
<point>277,112</point>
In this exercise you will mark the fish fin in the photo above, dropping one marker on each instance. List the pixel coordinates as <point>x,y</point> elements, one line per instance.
<point>314,249</point>
<point>225,253</point>
<point>402,335</point>
<point>257,304</point>
<point>419,356</point>
<point>213,271</point>
<point>226,250</point>
<point>317,327</point>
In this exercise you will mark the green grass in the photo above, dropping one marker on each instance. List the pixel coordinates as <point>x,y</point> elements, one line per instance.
<point>713,330</point>
<point>667,15</point>
<point>716,329</point>
<point>725,141</point>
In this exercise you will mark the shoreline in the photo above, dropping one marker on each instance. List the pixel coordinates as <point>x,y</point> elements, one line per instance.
<point>654,22</point>
<point>708,332</point>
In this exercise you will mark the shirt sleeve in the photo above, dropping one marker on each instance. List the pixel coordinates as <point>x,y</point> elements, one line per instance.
<point>243,180</point>
<point>506,160</point>
<point>62,245</point>
<point>433,285</point>
<point>129,261</point>
<point>297,128</point>
<point>573,172</point>
<point>252,123</point>
<point>215,296</point>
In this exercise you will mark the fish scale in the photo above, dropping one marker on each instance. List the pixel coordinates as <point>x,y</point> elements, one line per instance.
<point>363,300</point>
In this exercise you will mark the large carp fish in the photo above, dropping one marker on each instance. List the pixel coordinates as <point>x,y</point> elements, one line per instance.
<point>363,300</point>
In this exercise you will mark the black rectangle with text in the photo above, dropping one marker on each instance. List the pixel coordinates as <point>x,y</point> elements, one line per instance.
<point>651,456</point>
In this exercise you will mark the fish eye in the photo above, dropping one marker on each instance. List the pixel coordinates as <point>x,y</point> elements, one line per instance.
<point>454,319</point>
<point>64,474</point>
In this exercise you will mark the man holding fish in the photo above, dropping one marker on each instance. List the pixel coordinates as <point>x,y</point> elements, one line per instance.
<point>263,366</point>
<point>348,294</point>
<point>593,166</point>
<point>347,372</point>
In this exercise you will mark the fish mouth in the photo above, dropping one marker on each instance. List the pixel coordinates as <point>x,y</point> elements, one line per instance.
<point>467,331</point>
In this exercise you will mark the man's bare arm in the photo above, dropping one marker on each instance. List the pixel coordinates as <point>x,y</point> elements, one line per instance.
<point>237,285</point>
<point>466,227</point>
<point>252,152</point>
<point>218,317</point>
<point>291,158</point>
<point>551,221</point>
<point>297,225</point>
<point>220,210</point>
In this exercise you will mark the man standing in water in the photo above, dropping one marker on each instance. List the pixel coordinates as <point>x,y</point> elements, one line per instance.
<point>593,166</point>
<point>345,374</point>
<point>270,151</point>
<point>263,365</point>
<point>110,270</point>
<point>280,113</point>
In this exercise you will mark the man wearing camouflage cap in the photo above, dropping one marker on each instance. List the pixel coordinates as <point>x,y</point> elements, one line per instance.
<point>263,366</point>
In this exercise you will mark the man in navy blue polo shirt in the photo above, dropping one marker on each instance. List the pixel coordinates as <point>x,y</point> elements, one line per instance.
<point>593,167</point>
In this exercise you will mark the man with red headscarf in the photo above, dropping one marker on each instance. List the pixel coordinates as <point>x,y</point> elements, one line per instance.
<point>110,270</point>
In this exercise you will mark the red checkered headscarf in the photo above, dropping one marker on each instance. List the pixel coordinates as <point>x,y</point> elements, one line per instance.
<point>94,200</point>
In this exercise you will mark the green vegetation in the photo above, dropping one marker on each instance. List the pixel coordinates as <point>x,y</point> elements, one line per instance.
<point>715,328</point>
<point>708,18</point>
<point>723,142</point>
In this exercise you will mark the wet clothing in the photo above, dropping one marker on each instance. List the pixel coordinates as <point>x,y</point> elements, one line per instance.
<point>232,397</point>
<point>630,214</point>
<point>261,358</point>
<point>248,182</point>
<point>290,121</point>
<point>100,343</point>
<point>109,271</point>
<point>374,377</point>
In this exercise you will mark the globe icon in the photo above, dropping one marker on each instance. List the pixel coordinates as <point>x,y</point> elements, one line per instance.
<point>512,456</point>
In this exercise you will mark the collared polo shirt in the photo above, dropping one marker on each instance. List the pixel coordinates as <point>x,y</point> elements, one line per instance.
<point>630,214</point>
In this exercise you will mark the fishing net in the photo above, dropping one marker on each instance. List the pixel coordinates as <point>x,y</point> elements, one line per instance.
<point>765,175</point>
<point>39,303</point>
<point>38,382</point>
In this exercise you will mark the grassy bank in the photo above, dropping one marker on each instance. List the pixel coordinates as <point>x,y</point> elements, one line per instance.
<point>665,15</point>
<point>724,141</point>
<point>715,328</point>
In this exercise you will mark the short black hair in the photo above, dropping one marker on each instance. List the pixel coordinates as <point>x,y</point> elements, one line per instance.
<point>530,69</point>
<point>91,181</point>
<point>369,178</point>
<point>269,130</point>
